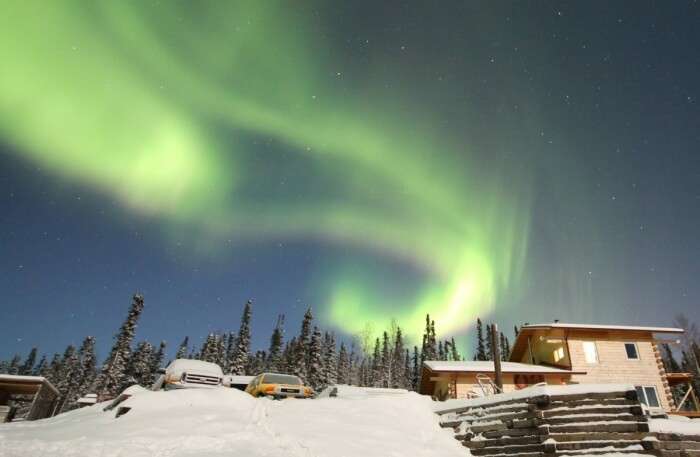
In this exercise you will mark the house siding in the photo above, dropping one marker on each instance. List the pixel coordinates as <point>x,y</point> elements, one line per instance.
<point>613,366</point>
<point>466,383</point>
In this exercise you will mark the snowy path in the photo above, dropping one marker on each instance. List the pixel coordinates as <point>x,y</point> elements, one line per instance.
<point>221,422</point>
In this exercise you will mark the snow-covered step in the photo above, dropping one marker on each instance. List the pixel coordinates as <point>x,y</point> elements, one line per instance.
<point>595,444</point>
<point>612,436</point>
<point>518,449</point>
<point>594,418</point>
<point>593,409</point>
<point>601,426</point>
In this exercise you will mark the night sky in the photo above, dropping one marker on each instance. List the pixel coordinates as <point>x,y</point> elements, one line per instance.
<point>522,162</point>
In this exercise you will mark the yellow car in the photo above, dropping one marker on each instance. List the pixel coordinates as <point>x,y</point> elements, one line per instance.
<point>277,385</point>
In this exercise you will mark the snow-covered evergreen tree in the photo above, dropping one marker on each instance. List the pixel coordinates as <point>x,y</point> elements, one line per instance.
<point>344,374</point>
<point>300,364</point>
<point>140,363</point>
<point>230,351</point>
<point>441,352</point>
<point>480,343</point>
<point>28,365</point>
<point>54,371</point>
<point>240,357</point>
<point>398,375</point>
<point>415,370</point>
<point>385,363</point>
<point>41,368</point>
<point>14,365</point>
<point>315,360</point>
<point>69,381</point>
<point>330,361</point>
<point>209,349</point>
<point>182,349</point>
<point>429,349</point>
<point>157,359</point>
<point>375,373</point>
<point>113,373</point>
<point>454,353</point>
<point>407,376</point>
<point>88,366</point>
<point>276,342</point>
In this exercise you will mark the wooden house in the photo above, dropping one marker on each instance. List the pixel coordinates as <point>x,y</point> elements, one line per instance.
<point>560,353</point>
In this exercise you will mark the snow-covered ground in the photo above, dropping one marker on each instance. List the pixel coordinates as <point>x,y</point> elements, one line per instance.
<point>218,422</point>
<point>676,424</point>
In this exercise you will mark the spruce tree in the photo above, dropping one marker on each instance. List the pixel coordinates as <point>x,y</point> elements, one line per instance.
<point>182,349</point>
<point>241,353</point>
<point>429,350</point>
<point>480,346</point>
<point>344,375</point>
<point>315,360</point>
<point>14,366</point>
<point>41,368</point>
<point>139,368</point>
<point>54,371</point>
<point>113,373</point>
<point>415,371</point>
<point>69,381</point>
<point>454,352</point>
<point>28,365</point>
<point>301,352</point>
<point>330,361</point>
<point>489,345</point>
<point>375,373</point>
<point>398,374</point>
<point>504,346</point>
<point>276,342</point>
<point>230,351</point>
<point>208,352</point>
<point>88,366</point>
<point>407,375</point>
<point>441,352</point>
<point>157,360</point>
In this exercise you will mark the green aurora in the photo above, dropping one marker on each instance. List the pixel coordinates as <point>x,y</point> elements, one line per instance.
<point>105,94</point>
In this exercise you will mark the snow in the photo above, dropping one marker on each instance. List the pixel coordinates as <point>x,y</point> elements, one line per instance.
<point>675,424</point>
<point>532,391</point>
<point>606,327</point>
<point>194,366</point>
<point>224,422</point>
<point>478,366</point>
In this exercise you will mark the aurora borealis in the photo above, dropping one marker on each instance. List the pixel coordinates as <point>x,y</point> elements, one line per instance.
<point>419,177</point>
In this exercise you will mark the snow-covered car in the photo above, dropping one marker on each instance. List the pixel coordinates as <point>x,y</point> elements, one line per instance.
<point>186,373</point>
<point>278,386</point>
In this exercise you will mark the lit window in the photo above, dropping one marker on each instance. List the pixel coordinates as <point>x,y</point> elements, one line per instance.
<point>589,352</point>
<point>631,350</point>
<point>558,354</point>
<point>647,395</point>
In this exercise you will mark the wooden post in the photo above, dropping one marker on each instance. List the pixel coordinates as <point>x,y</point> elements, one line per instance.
<point>496,354</point>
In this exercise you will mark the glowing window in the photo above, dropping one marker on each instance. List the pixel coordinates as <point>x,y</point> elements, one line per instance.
<point>558,354</point>
<point>589,351</point>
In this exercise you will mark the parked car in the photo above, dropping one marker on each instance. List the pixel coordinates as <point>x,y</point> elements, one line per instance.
<point>277,385</point>
<point>186,373</point>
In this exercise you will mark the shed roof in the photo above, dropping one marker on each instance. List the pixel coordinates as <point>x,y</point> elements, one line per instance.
<point>26,384</point>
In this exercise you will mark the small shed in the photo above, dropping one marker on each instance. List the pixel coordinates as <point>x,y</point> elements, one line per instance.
<point>26,397</point>
<point>237,382</point>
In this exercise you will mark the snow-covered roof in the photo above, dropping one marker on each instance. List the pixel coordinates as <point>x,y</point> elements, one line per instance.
<point>237,379</point>
<point>605,327</point>
<point>487,367</point>
<point>195,366</point>
<point>29,380</point>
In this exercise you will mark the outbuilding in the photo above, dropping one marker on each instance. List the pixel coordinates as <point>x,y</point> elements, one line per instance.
<point>26,398</point>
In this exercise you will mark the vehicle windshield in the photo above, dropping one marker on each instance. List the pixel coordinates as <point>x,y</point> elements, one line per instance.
<point>281,379</point>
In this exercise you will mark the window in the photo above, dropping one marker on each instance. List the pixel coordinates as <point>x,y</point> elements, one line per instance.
<point>631,349</point>
<point>558,353</point>
<point>647,395</point>
<point>590,352</point>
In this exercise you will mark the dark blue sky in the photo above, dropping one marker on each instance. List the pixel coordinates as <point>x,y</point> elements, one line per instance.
<point>591,109</point>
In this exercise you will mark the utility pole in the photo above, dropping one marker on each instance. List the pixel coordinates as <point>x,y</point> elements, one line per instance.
<point>496,354</point>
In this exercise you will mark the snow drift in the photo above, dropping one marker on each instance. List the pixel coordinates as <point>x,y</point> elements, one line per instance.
<point>217,422</point>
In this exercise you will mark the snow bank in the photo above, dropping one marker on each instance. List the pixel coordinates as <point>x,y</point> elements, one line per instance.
<point>675,424</point>
<point>218,422</point>
<point>532,391</point>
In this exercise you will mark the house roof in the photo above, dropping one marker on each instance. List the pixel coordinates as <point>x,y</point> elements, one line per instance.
<point>520,344</point>
<point>487,367</point>
<point>631,328</point>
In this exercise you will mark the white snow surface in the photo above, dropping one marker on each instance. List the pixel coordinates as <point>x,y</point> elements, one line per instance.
<point>675,424</point>
<point>222,421</point>
<point>452,405</point>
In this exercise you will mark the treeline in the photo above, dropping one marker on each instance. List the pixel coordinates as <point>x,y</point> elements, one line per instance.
<point>313,354</point>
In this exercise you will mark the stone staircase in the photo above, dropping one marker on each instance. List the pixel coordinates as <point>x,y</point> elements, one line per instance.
<point>554,425</point>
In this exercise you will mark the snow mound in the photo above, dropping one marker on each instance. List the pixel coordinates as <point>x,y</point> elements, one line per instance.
<point>675,424</point>
<point>218,422</point>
